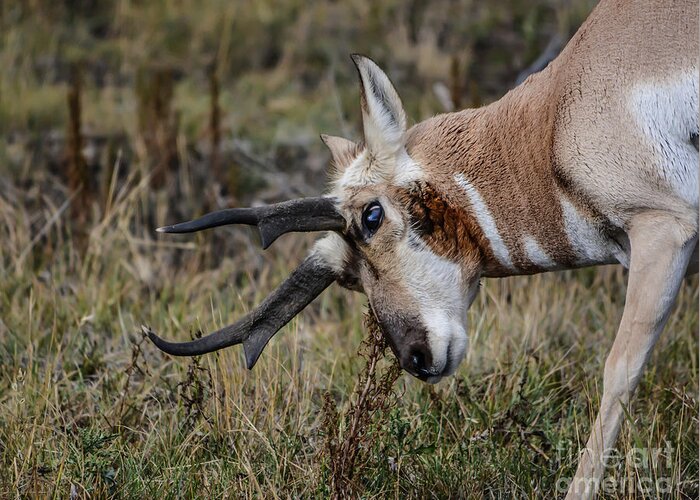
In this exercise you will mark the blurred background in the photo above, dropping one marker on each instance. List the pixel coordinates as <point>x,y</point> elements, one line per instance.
<point>119,116</point>
<point>237,92</point>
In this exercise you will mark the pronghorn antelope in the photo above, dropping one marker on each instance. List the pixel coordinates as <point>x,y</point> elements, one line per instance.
<point>592,161</point>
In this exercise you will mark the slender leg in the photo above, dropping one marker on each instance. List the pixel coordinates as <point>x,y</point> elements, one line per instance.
<point>661,247</point>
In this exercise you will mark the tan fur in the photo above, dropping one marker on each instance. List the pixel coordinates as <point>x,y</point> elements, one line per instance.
<point>517,183</point>
<point>525,151</point>
<point>661,249</point>
<point>591,161</point>
<point>596,73</point>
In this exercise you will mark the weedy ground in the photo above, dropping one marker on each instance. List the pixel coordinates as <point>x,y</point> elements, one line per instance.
<point>90,409</point>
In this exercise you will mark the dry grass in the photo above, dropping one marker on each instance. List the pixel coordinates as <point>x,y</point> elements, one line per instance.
<point>349,439</point>
<point>88,408</point>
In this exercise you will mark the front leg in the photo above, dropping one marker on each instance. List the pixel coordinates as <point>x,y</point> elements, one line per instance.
<point>661,248</point>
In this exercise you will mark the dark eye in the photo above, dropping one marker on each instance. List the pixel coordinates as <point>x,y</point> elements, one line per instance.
<point>372,217</point>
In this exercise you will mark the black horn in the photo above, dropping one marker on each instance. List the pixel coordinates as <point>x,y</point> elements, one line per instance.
<point>255,329</point>
<point>302,215</point>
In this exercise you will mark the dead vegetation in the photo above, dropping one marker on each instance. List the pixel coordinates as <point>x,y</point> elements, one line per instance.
<point>349,434</point>
<point>88,409</point>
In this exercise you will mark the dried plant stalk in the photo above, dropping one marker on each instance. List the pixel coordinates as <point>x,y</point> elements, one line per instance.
<point>158,122</point>
<point>348,434</point>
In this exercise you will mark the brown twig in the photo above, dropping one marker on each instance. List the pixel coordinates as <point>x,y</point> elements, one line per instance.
<point>347,435</point>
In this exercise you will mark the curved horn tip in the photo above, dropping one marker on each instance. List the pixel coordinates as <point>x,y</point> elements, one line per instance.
<point>160,343</point>
<point>251,356</point>
<point>153,337</point>
<point>163,229</point>
<point>250,362</point>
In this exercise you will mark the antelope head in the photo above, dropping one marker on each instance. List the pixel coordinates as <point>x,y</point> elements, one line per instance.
<point>381,220</point>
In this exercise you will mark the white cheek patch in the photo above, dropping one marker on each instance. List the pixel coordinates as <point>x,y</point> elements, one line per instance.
<point>667,113</point>
<point>486,222</point>
<point>333,250</point>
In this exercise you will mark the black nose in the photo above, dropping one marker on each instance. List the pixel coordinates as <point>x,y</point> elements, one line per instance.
<point>419,363</point>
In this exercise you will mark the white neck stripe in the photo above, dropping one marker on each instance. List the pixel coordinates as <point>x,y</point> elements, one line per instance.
<point>486,222</point>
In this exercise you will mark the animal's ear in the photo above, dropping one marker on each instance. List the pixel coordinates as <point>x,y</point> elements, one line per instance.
<point>383,117</point>
<point>343,151</point>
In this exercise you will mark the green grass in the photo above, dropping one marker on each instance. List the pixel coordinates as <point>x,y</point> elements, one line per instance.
<point>86,405</point>
<point>88,408</point>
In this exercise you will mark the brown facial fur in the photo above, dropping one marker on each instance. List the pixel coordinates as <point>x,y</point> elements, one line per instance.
<point>373,258</point>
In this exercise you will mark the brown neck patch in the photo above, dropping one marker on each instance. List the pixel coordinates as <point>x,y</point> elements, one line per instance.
<point>505,152</point>
<point>449,231</point>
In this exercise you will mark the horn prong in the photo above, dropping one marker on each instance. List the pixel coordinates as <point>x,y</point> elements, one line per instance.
<point>253,347</point>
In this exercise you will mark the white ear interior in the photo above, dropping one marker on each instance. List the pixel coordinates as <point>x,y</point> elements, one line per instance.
<point>383,116</point>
